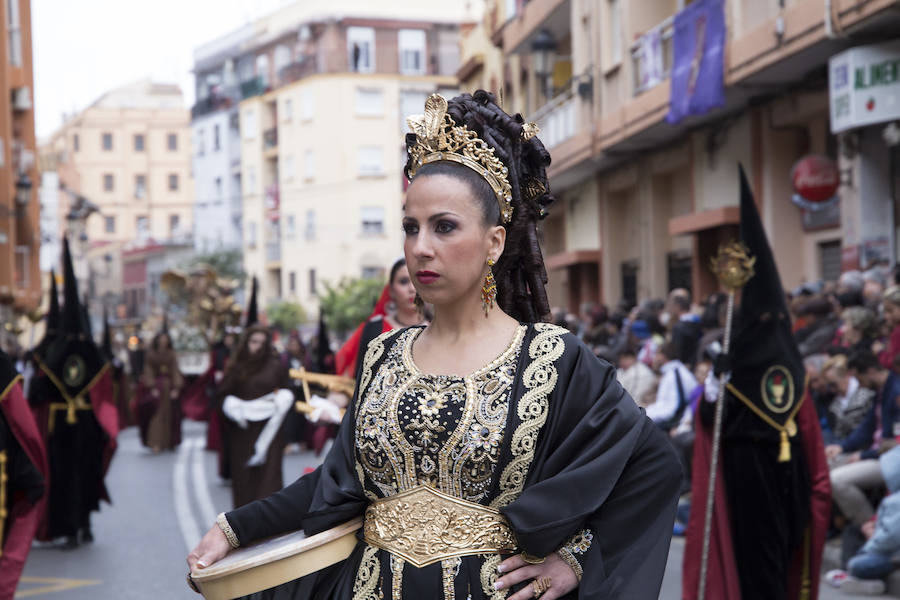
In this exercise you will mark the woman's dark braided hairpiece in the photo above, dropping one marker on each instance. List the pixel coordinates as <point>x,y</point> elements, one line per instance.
<point>520,272</point>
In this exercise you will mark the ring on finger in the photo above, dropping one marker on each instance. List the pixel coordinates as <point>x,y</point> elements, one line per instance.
<point>541,585</point>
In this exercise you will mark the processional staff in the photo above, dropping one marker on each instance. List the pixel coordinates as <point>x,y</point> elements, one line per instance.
<point>733,266</point>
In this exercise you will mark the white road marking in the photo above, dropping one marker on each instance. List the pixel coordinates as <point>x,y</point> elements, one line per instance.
<point>190,532</point>
<point>201,488</point>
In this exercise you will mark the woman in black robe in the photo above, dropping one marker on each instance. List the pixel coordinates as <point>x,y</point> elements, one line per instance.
<point>513,418</point>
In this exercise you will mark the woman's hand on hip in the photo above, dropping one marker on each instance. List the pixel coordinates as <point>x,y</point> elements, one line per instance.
<point>211,549</point>
<point>515,570</point>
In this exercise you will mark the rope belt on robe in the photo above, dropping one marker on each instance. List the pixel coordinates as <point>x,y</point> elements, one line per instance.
<point>272,407</point>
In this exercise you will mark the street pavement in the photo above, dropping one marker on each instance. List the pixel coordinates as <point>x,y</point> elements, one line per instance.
<point>162,505</point>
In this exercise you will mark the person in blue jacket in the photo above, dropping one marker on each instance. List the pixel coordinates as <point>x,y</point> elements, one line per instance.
<point>857,454</point>
<point>872,563</point>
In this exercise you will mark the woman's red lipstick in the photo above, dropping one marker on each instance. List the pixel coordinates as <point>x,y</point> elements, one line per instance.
<point>426,277</point>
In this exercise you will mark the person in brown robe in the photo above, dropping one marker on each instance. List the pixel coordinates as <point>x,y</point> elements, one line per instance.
<point>253,394</point>
<point>159,390</point>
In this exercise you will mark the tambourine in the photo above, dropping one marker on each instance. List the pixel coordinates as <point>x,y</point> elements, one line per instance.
<point>273,562</point>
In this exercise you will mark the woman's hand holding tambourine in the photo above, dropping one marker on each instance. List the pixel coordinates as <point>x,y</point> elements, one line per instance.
<point>548,580</point>
<point>211,549</point>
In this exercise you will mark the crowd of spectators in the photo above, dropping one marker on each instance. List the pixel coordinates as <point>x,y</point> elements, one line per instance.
<point>848,333</point>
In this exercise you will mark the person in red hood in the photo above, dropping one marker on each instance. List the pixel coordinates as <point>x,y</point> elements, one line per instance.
<point>23,477</point>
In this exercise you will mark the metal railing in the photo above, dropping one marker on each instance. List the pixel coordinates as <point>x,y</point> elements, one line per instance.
<point>270,138</point>
<point>212,104</point>
<point>252,87</point>
<point>651,57</point>
<point>558,118</point>
<point>273,251</point>
<point>297,70</point>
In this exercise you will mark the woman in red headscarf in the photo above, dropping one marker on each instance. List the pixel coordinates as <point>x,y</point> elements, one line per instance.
<point>395,309</point>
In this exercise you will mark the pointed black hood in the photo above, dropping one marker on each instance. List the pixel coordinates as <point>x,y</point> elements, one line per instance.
<point>72,359</point>
<point>73,317</point>
<point>768,370</point>
<point>252,308</point>
<point>86,317</point>
<point>165,324</point>
<point>322,356</point>
<point>51,319</point>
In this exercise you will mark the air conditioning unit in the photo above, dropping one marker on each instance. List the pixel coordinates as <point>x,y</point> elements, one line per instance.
<point>22,98</point>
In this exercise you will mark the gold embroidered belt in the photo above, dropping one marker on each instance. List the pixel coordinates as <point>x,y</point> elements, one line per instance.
<point>424,526</point>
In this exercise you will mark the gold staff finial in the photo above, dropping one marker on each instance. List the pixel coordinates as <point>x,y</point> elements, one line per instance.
<point>733,265</point>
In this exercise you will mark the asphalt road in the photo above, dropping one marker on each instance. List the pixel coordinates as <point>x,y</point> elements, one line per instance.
<point>161,506</point>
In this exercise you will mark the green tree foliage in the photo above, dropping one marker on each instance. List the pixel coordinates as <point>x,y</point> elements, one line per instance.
<point>286,316</point>
<point>349,303</point>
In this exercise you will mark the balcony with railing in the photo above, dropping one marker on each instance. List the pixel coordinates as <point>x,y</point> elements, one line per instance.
<point>297,70</point>
<point>253,87</point>
<point>558,118</point>
<point>651,57</point>
<point>213,103</point>
<point>273,253</point>
<point>270,138</point>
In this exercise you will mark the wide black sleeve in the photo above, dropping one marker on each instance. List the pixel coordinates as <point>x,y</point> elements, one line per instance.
<point>603,485</point>
<point>330,495</point>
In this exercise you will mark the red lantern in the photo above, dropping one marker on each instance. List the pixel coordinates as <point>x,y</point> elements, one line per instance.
<point>815,178</point>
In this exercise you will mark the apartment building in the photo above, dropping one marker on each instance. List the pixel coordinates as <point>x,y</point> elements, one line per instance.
<point>645,198</point>
<point>129,153</point>
<point>20,285</point>
<point>326,91</point>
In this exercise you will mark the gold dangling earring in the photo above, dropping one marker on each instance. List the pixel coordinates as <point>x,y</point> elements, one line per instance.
<point>489,289</point>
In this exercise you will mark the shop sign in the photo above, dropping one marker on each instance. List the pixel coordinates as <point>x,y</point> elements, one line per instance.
<point>816,180</point>
<point>864,86</point>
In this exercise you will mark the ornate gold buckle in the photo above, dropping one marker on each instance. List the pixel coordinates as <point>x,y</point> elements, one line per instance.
<point>424,526</point>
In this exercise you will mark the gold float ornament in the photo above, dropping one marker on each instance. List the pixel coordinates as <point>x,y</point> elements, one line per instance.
<point>733,265</point>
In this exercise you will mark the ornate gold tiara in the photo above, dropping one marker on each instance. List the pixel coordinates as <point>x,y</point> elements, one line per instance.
<point>439,138</point>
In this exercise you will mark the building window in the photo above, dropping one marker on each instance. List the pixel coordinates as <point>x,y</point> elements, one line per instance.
<point>248,124</point>
<point>412,51</point>
<point>172,142</point>
<point>310,231</point>
<point>411,103</point>
<point>173,182</point>
<point>217,140</point>
<point>138,142</point>
<point>309,164</point>
<point>107,142</point>
<point>281,59</point>
<point>140,186</point>
<point>307,104</point>
<point>830,260</point>
<point>14,31</point>
<point>370,161</point>
<point>251,234</point>
<point>76,143</point>
<point>312,282</point>
<point>289,171</point>
<point>361,49</point>
<point>292,282</point>
<point>289,227</point>
<point>288,110</point>
<point>143,226</point>
<point>372,220</point>
<point>615,31</point>
<point>369,102</point>
<point>218,184</point>
<point>109,224</point>
<point>262,69</point>
<point>174,223</point>
<point>108,182</point>
<point>201,143</point>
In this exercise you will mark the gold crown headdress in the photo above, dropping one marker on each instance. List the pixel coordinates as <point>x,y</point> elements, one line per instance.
<point>439,138</point>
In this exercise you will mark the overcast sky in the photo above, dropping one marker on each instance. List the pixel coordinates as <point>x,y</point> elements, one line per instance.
<point>83,48</point>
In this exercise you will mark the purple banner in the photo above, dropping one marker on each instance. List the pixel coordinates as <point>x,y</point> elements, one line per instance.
<point>698,43</point>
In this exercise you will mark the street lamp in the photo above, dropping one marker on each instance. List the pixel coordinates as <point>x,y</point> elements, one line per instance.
<point>543,55</point>
<point>23,189</point>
